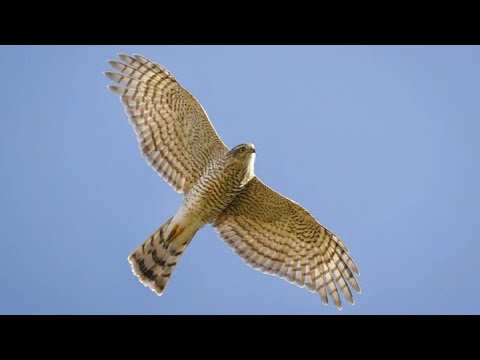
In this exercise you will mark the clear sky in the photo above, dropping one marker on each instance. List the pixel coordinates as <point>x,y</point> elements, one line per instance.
<point>380,143</point>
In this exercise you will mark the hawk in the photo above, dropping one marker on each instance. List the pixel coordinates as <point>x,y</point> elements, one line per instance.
<point>269,231</point>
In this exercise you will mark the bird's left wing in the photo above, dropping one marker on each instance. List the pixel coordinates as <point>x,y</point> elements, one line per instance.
<point>173,130</point>
<point>277,236</point>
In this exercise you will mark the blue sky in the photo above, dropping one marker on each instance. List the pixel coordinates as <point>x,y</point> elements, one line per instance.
<point>380,143</point>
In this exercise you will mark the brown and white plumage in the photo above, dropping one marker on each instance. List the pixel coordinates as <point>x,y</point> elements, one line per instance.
<point>277,236</point>
<point>173,130</point>
<point>269,231</point>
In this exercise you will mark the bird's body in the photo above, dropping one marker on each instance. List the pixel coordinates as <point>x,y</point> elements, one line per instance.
<point>222,181</point>
<point>269,231</point>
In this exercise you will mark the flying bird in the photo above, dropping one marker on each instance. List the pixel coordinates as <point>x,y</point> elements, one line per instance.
<point>270,232</point>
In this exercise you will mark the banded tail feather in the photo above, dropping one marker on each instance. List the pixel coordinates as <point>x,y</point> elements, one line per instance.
<point>153,262</point>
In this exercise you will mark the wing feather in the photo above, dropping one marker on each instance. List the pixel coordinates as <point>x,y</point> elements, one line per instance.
<point>277,236</point>
<point>173,130</point>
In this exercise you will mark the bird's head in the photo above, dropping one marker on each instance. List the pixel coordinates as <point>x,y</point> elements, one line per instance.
<point>243,157</point>
<point>243,152</point>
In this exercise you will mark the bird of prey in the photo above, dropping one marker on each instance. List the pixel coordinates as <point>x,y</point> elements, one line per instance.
<point>269,231</point>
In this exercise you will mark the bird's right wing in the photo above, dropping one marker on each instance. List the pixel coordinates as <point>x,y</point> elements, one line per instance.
<point>277,236</point>
<point>173,130</point>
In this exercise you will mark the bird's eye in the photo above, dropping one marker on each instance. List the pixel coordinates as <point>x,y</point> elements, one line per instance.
<point>242,150</point>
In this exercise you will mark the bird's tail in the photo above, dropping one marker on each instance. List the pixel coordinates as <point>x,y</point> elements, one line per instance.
<point>154,261</point>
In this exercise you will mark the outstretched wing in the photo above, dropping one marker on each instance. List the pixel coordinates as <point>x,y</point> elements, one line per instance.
<point>173,130</point>
<point>277,236</point>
